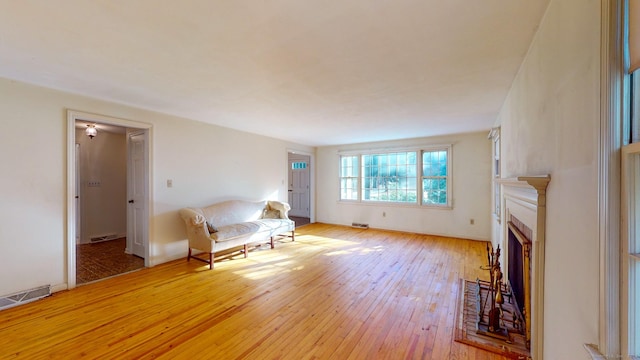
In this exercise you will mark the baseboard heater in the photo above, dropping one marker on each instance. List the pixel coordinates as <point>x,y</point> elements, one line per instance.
<point>24,297</point>
<point>360,225</point>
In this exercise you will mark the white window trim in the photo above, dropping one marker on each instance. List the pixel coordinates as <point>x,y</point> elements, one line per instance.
<point>340,177</point>
<point>612,111</point>
<point>449,204</point>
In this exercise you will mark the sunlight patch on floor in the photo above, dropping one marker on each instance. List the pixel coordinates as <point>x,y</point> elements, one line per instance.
<point>324,241</point>
<point>269,269</point>
<point>263,263</point>
<point>356,251</point>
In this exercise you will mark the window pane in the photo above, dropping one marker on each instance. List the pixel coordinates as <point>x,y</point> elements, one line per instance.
<point>388,177</point>
<point>634,241</point>
<point>412,171</point>
<point>434,163</point>
<point>434,191</point>
<point>412,158</point>
<point>632,133</point>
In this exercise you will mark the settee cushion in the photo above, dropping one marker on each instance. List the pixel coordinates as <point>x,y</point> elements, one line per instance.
<point>271,214</point>
<point>267,226</point>
<point>233,212</point>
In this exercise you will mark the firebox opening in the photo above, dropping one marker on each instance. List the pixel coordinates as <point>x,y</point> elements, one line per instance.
<point>519,270</point>
<point>515,270</point>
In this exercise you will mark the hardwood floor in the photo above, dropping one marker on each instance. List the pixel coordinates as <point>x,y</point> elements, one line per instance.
<point>334,293</point>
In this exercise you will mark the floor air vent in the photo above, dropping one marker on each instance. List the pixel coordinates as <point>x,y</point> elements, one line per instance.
<point>104,237</point>
<point>24,297</point>
<point>360,225</point>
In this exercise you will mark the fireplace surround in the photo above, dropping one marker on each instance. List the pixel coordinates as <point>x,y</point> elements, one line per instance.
<point>518,257</point>
<point>522,238</point>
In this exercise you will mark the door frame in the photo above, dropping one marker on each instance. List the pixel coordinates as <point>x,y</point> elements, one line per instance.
<point>72,117</point>
<point>312,183</point>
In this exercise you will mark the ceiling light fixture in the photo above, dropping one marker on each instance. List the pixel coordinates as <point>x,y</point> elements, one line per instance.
<point>91,131</point>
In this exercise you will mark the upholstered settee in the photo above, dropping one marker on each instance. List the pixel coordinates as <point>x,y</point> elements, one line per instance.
<point>234,223</point>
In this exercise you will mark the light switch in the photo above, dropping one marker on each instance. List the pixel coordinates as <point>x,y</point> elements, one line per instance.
<point>169,183</point>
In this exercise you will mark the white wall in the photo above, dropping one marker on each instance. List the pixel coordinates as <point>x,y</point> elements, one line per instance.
<point>471,157</point>
<point>206,163</point>
<point>550,125</point>
<point>103,208</point>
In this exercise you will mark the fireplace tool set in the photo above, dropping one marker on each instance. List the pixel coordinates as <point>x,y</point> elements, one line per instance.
<point>495,318</point>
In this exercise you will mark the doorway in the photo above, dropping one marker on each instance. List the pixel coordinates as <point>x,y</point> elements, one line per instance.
<point>299,189</point>
<point>111,174</point>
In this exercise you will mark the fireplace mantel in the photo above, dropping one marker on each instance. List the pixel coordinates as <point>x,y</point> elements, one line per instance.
<point>539,182</point>
<point>524,197</point>
<point>532,189</point>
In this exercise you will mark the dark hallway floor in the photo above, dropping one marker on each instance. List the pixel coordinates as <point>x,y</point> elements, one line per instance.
<point>300,220</point>
<point>104,259</point>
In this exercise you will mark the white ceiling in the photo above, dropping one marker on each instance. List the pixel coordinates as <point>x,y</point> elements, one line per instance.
<point>308,71</point>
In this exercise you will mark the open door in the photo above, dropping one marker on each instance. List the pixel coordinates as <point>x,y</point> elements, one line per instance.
<point>138,171</point>
<point>137,193</point>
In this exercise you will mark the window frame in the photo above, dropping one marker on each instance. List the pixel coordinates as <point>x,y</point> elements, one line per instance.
<point>341,177</point>
<point>629,246</point>
<point>614,105</point>
<point>630,294</point>
<point>496,192</point>
<point>447,177</point>
<point>419,150</point>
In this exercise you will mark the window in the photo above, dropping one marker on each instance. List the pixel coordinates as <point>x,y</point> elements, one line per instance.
<point>620,165</point>
<point>494,135</point>
<point>389,177</point>
<point>348,178</point>
<point>299,165</point>
<point>409,177</point>
<point>434,177</point>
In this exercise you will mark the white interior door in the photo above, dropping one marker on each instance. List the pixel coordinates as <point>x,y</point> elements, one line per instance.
<point>299,192</point>
<point>137,191</point>
<point>77,196</point>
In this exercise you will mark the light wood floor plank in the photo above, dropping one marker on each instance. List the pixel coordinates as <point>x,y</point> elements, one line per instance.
<point>334,293</point>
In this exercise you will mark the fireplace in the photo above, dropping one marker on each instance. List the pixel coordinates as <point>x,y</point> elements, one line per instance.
<point>519,271</point>
<point>523,229</point>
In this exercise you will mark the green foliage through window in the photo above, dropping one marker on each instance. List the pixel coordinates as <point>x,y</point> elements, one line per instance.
<point>389,177</point>
<point>434,179</point>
